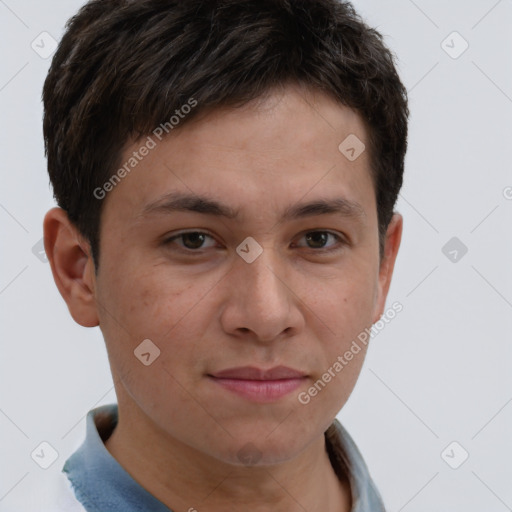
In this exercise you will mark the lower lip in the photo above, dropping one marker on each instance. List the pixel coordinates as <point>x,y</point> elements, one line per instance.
<point>262,391</point>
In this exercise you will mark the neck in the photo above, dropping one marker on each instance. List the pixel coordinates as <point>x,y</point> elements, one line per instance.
<point>185,479</point>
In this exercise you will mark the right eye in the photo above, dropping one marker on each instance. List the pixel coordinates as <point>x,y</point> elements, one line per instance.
<point>192,240</point>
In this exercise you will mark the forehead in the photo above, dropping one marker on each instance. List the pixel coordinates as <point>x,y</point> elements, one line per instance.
<point>294,121</point>
<point>265,156</point>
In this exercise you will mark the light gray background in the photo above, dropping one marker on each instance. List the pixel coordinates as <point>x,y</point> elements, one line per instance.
<point>439,372</point>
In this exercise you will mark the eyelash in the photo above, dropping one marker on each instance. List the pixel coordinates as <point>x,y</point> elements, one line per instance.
<point>337,247</point>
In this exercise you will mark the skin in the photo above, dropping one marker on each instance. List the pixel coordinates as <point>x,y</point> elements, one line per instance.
<point>179,433</point>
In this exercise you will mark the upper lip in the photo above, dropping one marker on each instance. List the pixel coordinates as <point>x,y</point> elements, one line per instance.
<point>253,373</point>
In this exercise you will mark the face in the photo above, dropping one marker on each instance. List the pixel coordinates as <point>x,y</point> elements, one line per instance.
<point>296,293</point>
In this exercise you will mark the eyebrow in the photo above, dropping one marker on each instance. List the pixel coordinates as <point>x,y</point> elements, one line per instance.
<point>178,201</point>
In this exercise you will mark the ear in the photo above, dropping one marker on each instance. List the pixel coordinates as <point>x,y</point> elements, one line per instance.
<point>392,243</point>
<point>72,266</point>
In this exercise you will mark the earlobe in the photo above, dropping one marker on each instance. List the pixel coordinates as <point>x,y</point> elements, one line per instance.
<point>391,246</point>
<point>72,266</point>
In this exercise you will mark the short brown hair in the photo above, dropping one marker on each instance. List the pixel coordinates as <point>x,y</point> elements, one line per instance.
<point>125,66</point>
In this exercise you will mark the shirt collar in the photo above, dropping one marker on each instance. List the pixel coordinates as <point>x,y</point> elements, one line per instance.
<point>346,459</point>
<point>100,483</point>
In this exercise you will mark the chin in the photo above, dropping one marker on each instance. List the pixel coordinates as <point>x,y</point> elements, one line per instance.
<point>263,452</point>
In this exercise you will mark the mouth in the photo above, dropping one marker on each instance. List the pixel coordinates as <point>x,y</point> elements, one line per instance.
<point>258,385</point>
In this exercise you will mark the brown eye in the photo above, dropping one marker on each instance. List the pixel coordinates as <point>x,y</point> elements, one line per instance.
<point>320,239</point>
<point>191,240</point>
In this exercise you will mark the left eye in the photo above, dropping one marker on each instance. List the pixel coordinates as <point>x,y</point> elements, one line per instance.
<point>319,239</point>
<point>194,240</point>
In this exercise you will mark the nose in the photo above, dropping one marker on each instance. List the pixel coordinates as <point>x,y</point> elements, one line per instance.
<point>261,303</point>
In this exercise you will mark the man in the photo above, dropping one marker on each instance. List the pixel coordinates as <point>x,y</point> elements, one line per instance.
<point>226,173</point>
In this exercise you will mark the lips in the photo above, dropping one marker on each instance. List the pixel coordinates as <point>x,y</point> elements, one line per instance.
<point>252,373</point>
<point>258,385</point>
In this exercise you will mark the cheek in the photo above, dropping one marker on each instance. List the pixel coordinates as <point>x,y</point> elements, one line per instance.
<point>329,391</point>
<point>168,312</point>
<point>147,301</point>
<point>347,308</point>
<point>346,304</point>
<point>163,307</point>
<point>342,359</point>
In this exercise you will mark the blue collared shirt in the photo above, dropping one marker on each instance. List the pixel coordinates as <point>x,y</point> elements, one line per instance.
<point>101,484</point>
